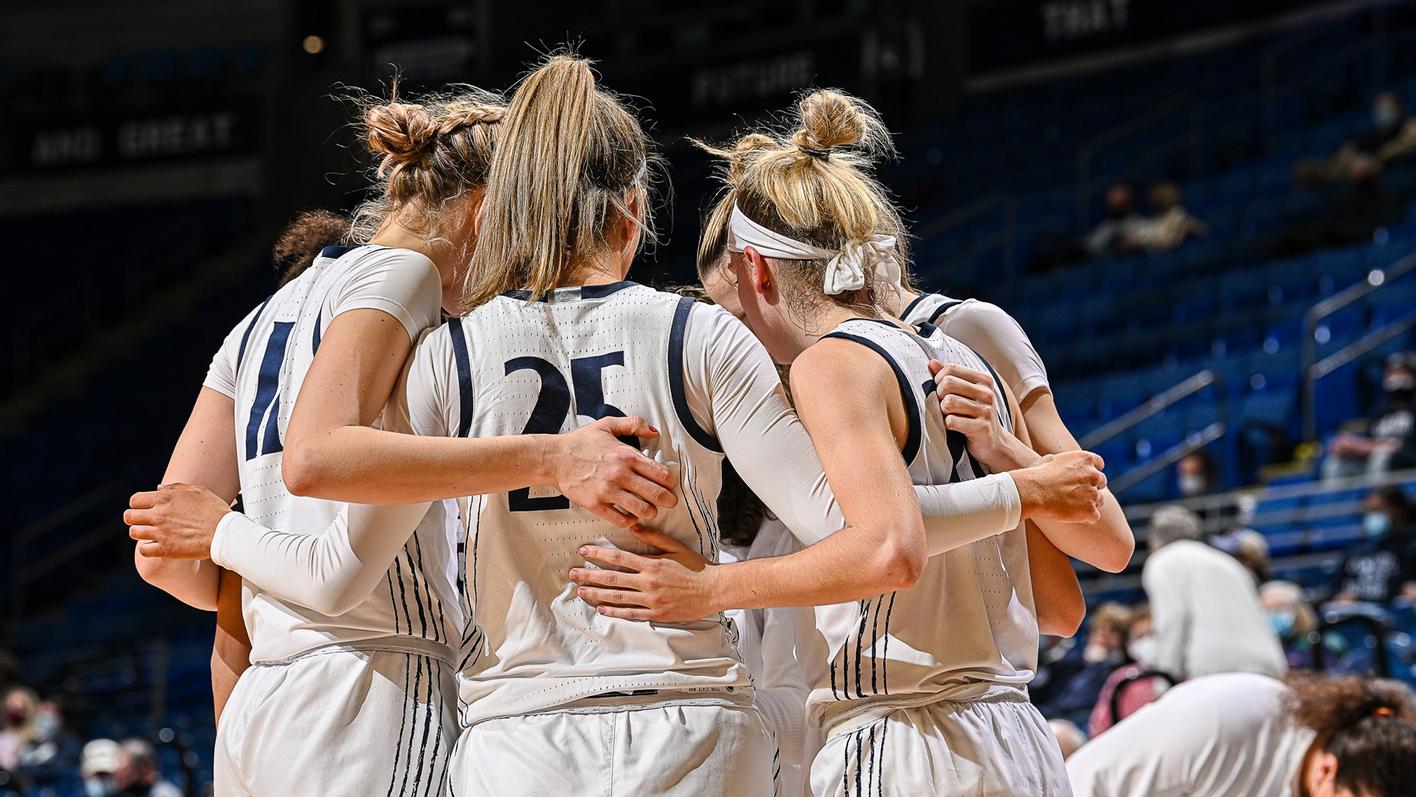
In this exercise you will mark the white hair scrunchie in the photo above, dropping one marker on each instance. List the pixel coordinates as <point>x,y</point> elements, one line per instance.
<point>845,269</point>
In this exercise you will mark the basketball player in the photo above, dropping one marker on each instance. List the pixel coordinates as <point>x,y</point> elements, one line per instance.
<point>366,671</point>
<point>1000,340</point>
<point>922,686</point>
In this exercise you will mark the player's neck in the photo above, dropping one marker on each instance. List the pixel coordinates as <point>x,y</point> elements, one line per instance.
<point>396,236</point>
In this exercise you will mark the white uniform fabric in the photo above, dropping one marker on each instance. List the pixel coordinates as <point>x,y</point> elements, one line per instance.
<point>514,366</point>
<point>1218,736</point>
<point>989,330</point>
<point>966,632</point>
<point>261,366</point>
<point>1000,746</point>
<point>769,641</point>
<point>338,722</point>
<point>338,671</point>
<point>1206,614</point>
<point>675,750</point>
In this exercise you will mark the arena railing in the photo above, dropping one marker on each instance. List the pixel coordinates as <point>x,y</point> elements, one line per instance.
<point>1315,369</point>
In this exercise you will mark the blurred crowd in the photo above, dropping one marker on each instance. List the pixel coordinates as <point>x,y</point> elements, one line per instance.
<point>1212,608</point>
<point>41,755</point>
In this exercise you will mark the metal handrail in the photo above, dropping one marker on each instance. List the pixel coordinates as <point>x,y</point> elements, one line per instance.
<point>1175,453</point>
<point>1376,279</point>
<point>958,216</point>
<point>1153,406</point>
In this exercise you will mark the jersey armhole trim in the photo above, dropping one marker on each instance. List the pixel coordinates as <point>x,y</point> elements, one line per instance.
<point>246,336</point>
<point>464,376</point>
<point>906,312</point>
<point>942,309</point>
<point>676,390</point>
<point>915,433</point>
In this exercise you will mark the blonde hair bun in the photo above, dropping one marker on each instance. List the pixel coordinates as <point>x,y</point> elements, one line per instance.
<point>831,119</point>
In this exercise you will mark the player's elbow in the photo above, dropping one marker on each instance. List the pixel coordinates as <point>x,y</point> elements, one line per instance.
<point>304,472</point>
<point>898,565</point>
<point>1063,619</point>
<point>1115,557</point>
<point>338,599</point>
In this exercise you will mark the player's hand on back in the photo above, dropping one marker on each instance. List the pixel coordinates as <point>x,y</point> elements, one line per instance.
<point>967,398</point>
<point>1065,487</point>
<point>597,471</point>
<point>175,521</point>
<point>675,585</point>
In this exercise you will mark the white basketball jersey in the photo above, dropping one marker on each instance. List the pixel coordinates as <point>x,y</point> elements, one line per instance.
<point>262,367</point>
<point>514,366</point>
<point>988,330</point>
<point>967,629</point>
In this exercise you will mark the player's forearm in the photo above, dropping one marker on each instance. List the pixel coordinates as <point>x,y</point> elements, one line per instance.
<point>192,582</point>
<point>965,512</point>
<point>331,571</point>
<point>231,647</point>
<point>1106,544</point>
<point>371,466</point>
<point>1057,595</point>
<point>852,564</point>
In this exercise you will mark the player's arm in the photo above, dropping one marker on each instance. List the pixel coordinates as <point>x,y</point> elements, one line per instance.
<point>1057,595</point>
<point>1109,539</point>
<point>231,648</point>
<point>967,398</point>
<point>205,454</point>
<point>331,453</point>
<point>330,570</point>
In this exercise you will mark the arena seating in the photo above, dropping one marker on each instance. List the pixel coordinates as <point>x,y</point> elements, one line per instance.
<point>986,183</point>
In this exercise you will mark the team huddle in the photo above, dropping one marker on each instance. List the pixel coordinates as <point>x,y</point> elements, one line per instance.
<point>491,536</point>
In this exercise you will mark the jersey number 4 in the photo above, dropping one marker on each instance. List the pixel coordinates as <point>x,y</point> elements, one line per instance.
<point>553,405</point>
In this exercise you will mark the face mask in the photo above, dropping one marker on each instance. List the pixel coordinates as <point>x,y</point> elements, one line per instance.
<point>1095,654</point>
<point>1398,383</point>
<point>46,726</point>
<point>1384,116</point>
<point>1376,525</point>
<point>100,786</point>
<point>1282,623</point>
<point>1191,484</point>
<point>1142,649</point>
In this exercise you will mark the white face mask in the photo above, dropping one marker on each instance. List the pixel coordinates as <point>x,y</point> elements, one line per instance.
<point>1142,649</point>
<point>1191,484</point>
<point>1094,654</point>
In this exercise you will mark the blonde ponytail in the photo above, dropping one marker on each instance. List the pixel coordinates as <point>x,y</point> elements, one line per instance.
<point>570,161</point>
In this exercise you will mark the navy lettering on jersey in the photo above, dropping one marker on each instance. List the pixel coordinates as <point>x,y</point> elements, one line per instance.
<point>553,405</point>
<point>266,406</point>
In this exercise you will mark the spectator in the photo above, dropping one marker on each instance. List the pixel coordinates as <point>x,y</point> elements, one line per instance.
<point>1104,652</point>
<point>53,752</point>
<point>1245,735</point>
<point>99,763</point>
<point>1196,474</point>
<point>1140,649</point>
<point>1392,136</point>
<point>1383,565</point>
<point>137,774</point>
<point>1296,625</point>
<point>1170,223</point>
<point>19,729</point>
<point>1204,604</point>
<point>1250,548</point>
<point>1113,236</point>
<point>1390,441</point>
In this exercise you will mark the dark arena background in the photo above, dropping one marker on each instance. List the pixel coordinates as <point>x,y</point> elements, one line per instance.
<point>1200,212</point>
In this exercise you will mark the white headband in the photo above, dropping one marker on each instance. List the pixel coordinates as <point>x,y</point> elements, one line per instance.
<point>845,270</point>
